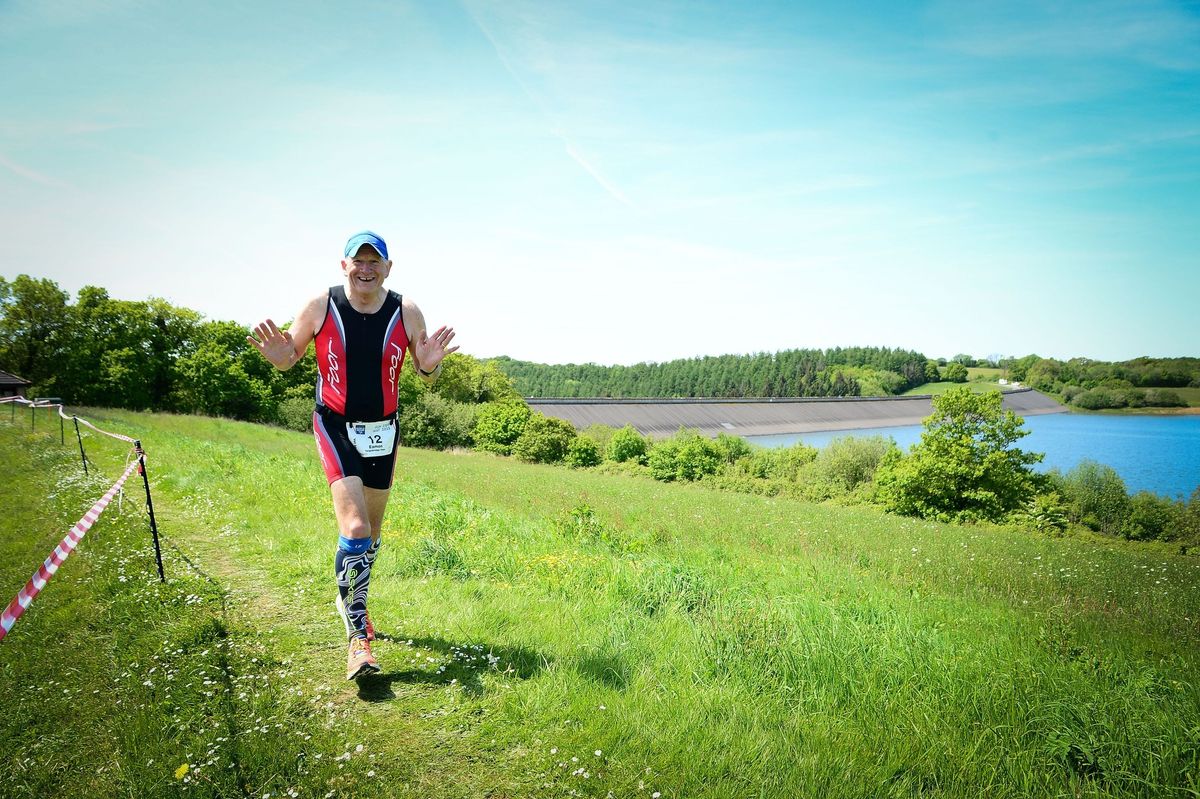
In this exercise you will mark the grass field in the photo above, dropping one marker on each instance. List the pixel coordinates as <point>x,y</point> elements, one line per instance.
<point>552,633</point>
<point>937,389</point>
<point>1189,395</point>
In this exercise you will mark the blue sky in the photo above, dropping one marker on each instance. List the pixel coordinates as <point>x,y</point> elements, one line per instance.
<point>626,182</point>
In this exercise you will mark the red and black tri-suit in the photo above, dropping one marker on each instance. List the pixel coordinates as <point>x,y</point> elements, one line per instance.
<point>359,357</point>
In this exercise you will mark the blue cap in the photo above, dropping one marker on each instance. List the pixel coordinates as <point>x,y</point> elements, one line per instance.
<point>366,237</point>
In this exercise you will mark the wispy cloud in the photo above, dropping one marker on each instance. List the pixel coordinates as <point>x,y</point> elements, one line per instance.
<point>557,128</point>
<point>30,174</point>
<point>608,185</point>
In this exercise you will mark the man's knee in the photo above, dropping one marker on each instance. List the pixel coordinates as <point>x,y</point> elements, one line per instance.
<point>356,528</point>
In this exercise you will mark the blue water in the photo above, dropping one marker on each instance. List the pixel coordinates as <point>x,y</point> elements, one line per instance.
<point>1151,453</point>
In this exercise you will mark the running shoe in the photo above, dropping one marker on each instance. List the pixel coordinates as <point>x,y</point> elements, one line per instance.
<point>360,662</point>
<point>341,608</point>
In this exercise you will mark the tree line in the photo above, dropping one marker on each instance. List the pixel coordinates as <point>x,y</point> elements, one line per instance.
<point>152,355</point>
<point>836,372</point>
<point>1093,385</point>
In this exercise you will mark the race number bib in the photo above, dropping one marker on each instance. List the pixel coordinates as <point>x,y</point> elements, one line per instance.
<point>372,439</point>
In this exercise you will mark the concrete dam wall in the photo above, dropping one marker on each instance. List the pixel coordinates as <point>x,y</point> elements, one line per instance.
<point>756,417</point>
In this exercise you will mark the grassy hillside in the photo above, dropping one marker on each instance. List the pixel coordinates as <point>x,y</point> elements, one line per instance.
<point>556,633</point>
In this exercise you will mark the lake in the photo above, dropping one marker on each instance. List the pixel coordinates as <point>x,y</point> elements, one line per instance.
<point>1151,453</point>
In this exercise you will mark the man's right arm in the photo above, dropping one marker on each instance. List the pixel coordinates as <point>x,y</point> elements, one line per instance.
<point>284,348</point>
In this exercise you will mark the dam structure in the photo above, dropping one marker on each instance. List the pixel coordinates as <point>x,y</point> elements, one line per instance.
<point>768,416</point>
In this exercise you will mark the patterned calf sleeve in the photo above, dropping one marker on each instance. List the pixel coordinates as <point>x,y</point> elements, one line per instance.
<point>352,567</point>
<point>373,551</point>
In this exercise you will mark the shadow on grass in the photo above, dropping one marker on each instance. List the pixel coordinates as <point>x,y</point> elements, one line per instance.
<point>466,666</point>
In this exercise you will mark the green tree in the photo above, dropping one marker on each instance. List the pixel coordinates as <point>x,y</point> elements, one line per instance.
<point>965,467</point>
<point>466,379</point>
<point>685,456</point>
<point>956,372</point>
<point>33,321</point>
<point>583,452</point>
<point>1096,497</point>
<point>1152,518</point>
<point>210,383</point>
<point>545,439</point>
<point>627,444</point>
<point>498,425</point>
<point>434,422</point>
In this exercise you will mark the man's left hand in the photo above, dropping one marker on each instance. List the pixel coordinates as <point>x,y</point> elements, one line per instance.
<point>430,350</point>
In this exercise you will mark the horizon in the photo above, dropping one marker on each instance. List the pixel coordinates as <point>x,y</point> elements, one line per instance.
<point>586,184</point>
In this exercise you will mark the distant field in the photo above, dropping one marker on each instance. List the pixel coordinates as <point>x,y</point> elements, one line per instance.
<point>944,386</point>
<point>548,632</point>
<point>1189,395</point>
<point>984,373</point>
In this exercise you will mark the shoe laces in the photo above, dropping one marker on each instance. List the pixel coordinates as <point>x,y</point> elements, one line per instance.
<point>360,647</point>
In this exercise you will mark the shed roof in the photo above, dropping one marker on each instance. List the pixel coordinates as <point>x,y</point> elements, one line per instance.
<point>7,379</point>
<point>756,417</point>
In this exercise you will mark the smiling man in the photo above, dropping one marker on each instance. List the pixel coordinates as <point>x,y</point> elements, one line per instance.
<point>362,333</point>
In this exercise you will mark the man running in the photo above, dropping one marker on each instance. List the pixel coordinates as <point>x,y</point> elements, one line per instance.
<point>362,332</point>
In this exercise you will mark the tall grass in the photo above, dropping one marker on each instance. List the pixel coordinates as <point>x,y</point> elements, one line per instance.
<point>552,632</point>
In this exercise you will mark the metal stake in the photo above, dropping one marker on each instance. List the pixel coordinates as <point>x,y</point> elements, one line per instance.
<point>137,445</point>
<point>82,454</point>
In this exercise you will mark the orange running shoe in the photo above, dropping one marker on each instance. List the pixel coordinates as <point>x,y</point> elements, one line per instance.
<point>360,662</point>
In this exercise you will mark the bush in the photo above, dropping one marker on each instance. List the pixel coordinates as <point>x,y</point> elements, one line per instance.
<point>1164,398</point>
<point>965,467</point>
<point>627,444</point>
<point>601,434</point>
<point>685,456</point>
<point>296,413</point>
<point>1096,497</point>
<point>498,425</point>
<point>434,422</point>
<point>1154,518</point>
<point>583,452</point>
<point>544,439</point>
<point>731,448</point>
<point>1046,513</point>
<point>956,373</point>
<point>783,463</point>
<point>1100,398</point>
<point>1191,517</point>
<point>849,461</point>
<point>1069,393</point>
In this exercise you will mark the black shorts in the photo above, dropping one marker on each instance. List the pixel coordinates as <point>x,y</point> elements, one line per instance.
<point>341,459</point>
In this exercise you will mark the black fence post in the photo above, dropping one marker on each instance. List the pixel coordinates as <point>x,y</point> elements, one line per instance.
<point>150,507</point>
<point>82,454</point>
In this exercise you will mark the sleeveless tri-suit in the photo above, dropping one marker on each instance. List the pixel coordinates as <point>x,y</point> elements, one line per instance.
<point>359,357</point>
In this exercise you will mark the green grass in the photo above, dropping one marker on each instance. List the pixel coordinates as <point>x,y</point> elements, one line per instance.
<point>942,387</point>
<point>705,643</point>
<point>1189,395</point>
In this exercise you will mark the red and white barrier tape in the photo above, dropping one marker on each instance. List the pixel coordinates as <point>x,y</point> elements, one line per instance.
<point>42,576</point>
<point>84,422</point>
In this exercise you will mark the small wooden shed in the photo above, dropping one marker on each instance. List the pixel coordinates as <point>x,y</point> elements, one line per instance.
<point>13,386</point>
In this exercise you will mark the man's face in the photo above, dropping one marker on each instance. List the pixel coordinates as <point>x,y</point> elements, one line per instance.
<point>367,270</point>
